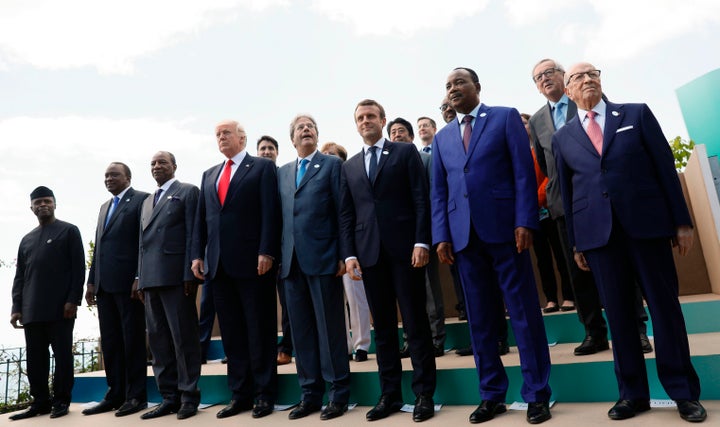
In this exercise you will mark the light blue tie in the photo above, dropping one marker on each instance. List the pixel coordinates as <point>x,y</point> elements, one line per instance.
<point>559,115</point>
<point>116,199</point>
<point>301,171</point>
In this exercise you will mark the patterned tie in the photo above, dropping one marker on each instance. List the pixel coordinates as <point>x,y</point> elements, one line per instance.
<point>301,171</point>
<point>467,133</point>
<point>372,168</point>
<point>594,132</point>
<point>157,196</point>
<point>116,199</point>
<point>224,182</point>
<point>559,115</point>
<point>427,149</point>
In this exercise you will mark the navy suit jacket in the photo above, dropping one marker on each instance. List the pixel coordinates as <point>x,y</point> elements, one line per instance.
<point>492,186</point>
<point>310,216</point>
<point>393,212</point>
<point>166,237</point>
<point>247,225</point>
<point>633,181</point>
<point>115,257</point>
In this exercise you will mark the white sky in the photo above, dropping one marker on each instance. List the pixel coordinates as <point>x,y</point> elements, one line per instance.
<point>84,83</point>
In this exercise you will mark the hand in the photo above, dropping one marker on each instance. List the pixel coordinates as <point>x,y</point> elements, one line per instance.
<point>136,293</point>
<point>420,257</point>
<point>684,239</point>
<point>341,269</point>
<point>190,288</point>
<point>581,262</point>
<point>90,295</point>
<point>353,268</point>
<point>445,253</point>
<point>69,310</point>
<point>14,319</point>
<point>264,264</point>
<point>198,269</point>
<point>523,238</point>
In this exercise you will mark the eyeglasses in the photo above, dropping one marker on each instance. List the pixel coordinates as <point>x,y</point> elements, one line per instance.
<point>576,77</point>
<point>547,73</point>
<point>444,107</point>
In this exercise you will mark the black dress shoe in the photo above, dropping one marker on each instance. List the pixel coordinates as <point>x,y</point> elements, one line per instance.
<point>59,409</point>
<point>551,309</point>
<point>438,350</point>
<point>187,410</point>
<point>304,409</point>
<point>625,408</point>
<point>262,408</point>
<point>467,351</point>
<point>503,348</point>
<point>424,408</point>
<point>404,352</point>
<point>538,412</point>
<point>103,406</point>
<point>333,410</point>
<point>165,408</point>
<point>487,411</point>
<point>234,408</point>
<point>691,410</point>
<point>645,342</point>
<point>361,356</point>
<point>130,407</point>
<point>591,345</point>
<point>30,413</point>
<point>388,404</point>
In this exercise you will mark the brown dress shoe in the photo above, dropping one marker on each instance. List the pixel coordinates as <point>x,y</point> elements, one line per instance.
<point>283,358</point>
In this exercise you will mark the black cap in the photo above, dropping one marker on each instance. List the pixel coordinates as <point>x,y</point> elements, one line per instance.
<point>41,191</point>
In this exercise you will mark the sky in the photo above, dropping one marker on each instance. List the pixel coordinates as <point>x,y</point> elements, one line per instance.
<point>84,83</point>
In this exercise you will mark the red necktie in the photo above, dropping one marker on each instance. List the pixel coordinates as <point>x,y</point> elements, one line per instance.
<point>224,182</point>
<point>594,132</point>
<point>467,133</point>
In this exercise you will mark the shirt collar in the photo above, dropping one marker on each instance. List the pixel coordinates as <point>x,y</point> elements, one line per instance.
<point>473,113</point>
<point>167,184</point>
<point>380,144</point>
<point>309,158</point>
<point>564,99</point>
<point>600,108</point>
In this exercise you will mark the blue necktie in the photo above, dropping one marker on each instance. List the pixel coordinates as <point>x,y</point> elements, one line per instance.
<point>559,115</point>
<point>157,196</point>
<point>427,149</point>
<point>372,168</point>
<point>301,172</point>
<point>116,199</point>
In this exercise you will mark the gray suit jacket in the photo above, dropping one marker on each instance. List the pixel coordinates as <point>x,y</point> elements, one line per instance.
<point>165,237</point>
<point>310,216</point>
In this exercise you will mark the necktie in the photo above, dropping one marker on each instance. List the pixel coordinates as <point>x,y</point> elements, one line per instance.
<point>559,115</point>
<point>594,132</point>
<point>372,168</point>
<point>116,199</point>
<point>467,132</point>
<point>301,172</point>
<point>224,182</point>
<point>157,196</point>
<point>427,149</point>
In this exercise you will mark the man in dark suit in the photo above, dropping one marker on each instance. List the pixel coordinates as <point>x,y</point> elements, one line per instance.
<point>312,269</point>
<point>168,289</point>
<point>624,205</point>
<point>484,208</point>
<point>45,295</point>
<point>112,286</point>
<point>385,236</point>
<point>236,241</point>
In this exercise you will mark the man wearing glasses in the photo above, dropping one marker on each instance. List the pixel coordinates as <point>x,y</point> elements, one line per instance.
<point>624,206</point>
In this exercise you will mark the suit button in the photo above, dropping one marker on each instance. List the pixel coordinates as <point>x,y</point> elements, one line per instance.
<point>605,194</point>
<point>466,170</point>
<point>465,195</point>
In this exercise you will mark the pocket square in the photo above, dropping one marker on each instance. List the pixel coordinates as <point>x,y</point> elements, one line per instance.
<point>623,129</point>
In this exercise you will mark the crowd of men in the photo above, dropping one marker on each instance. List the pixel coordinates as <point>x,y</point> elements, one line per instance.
<point>383,218</point>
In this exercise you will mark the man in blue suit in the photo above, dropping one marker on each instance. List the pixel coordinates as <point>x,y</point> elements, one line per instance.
<point>484,208</point>
<point>312,270</point>
<point>623,207</point>
<point>236,241</point>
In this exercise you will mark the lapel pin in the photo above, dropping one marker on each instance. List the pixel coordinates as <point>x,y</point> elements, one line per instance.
<point>316,166</point>
<point>247,166</point>
<point>483,114</point>
<point>169,197</point>
<point>386,152</point>
<point>49,241</point>
<point>615,113</point>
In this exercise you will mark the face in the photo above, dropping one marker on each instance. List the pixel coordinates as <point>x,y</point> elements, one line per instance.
<point>267,149</point>
<point>463,93</point>
<point>305,136</point>
<point>230,139</point>
<point>448,113</point>
<point>368,122</point>
<point>426,131</point>
<point>585,90</point>
<point>526,122</point>
<point>43,207</point>
<point>162,168</point>
<point>116,179</point>
<point>549,80</point>
<point>399,133</point>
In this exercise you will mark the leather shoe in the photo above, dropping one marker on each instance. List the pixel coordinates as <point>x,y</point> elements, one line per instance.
<point>503,348</point>
<point>626,408</point>
<point>30,413</point>
<point>234,408</point>
<point>487,411</point>
<point>262,408</point>
<point>591,345</point>
<point>165,408</point>
<point>550,309</point>
<point>187,410</point>
<point>102,406</point>
<point>466,351</point>
<point>130,407</point>
<point>645,342</point>
<point>538,412</point>
<point>304,409</point>
<point>388,404</point>
<point>404,351</point>
<point>438,350</point>
<point>59,409</point>
<point>283,358</point>
<point>691,410</point>
<point>361,356</point>
<point>424,408</point>
<point>333,410</point>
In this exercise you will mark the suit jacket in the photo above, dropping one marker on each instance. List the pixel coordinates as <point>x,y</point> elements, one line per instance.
<point>166,237</point>
<point>393,212</point>
<point>633,181</point>
<point>310,215</point>
<point>114,264</point>
<point>542,128</point>
<point>247,225</point>
<point>491,187</point>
